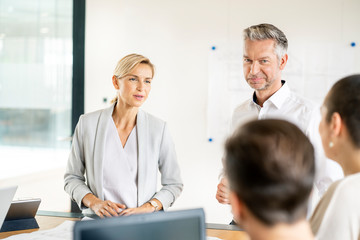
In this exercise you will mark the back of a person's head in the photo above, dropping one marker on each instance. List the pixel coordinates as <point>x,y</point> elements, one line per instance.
<point>344,98</point>
<point>270,167</point>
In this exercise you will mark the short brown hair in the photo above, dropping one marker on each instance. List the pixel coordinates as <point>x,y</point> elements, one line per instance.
<point>270,167</point>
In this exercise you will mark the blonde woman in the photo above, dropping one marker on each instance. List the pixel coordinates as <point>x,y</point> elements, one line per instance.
<point>117,152</point>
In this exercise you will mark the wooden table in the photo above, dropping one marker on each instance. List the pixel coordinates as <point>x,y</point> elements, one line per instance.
<point>227,234</point>
<point>48,222</point>
<point>45,223</point>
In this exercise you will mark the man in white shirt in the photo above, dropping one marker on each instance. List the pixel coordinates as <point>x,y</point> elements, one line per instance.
<point>264,58</point>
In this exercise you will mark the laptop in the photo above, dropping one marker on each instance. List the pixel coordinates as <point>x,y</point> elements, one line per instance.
<point>6,196</point>
<point>174,225</point>
<point>23,209</point>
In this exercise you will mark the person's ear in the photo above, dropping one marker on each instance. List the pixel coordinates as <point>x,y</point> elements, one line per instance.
<point>283,61</point>
<point>336,125</point>
<point>238,208</point>
<point>115,82</point>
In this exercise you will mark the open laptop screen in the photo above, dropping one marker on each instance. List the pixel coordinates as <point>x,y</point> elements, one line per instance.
<point>176,225</point>
<point>6,196</point>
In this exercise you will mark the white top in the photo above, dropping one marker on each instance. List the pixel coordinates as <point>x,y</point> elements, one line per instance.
<point>337,215</point>
<point>289,106</point>
<point>120,168</point>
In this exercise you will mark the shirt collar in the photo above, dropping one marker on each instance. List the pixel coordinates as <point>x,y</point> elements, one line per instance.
<point>279,97</point>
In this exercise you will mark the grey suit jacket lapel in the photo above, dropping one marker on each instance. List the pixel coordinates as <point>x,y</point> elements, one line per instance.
<point>142,136</point>
<point>99,149</point>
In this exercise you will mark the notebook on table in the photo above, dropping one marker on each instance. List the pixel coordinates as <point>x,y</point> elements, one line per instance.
<point>174,225</point>
<point>6,196</point>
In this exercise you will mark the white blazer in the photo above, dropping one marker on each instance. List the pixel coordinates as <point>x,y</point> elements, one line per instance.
<point>156,151</point>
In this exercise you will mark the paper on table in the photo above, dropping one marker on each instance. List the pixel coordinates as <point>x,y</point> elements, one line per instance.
<point>87,219</point>
<point>62,232</point>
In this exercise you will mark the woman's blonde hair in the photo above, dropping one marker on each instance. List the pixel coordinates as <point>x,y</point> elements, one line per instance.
<point>127,64</point>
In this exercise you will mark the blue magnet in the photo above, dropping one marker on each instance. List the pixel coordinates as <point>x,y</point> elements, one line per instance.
<point>210,139</point>
<point>353,44</point>
<point>213,48</point>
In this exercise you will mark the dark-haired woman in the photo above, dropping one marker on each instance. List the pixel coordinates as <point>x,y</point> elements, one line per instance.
<point>337,215</point>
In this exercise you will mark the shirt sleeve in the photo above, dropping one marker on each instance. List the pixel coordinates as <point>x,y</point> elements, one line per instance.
<point>74,178</point>
<point>172,184</point>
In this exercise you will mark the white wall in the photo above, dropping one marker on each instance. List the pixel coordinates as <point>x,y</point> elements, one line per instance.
<point>177,37</point>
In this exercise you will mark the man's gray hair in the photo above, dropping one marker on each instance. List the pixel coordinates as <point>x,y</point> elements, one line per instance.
<point>266,31</point>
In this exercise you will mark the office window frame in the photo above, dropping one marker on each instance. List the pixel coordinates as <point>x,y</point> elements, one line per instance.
<point>78,68</point>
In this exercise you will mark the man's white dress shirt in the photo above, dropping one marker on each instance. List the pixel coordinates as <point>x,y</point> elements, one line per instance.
<point>289,106</point>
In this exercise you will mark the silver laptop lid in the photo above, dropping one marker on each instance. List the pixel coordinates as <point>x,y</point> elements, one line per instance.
<point>174,225</point>
<point>6,196</point>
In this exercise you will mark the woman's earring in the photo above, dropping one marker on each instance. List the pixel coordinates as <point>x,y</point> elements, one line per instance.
<point>331,144</point>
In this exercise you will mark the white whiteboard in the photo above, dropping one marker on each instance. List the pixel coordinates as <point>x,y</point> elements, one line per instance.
<point>310,71</point>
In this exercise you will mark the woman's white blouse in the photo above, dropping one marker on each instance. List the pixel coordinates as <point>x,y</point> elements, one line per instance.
<point>120,167</point>
<point>155,153</point>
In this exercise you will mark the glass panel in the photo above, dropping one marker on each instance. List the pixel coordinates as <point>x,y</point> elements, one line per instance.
<point>35,89</point>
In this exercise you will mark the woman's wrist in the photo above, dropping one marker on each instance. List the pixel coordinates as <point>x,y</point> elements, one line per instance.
<point>154,205</point>
<point>90,200</point>
<point>148,207</point>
